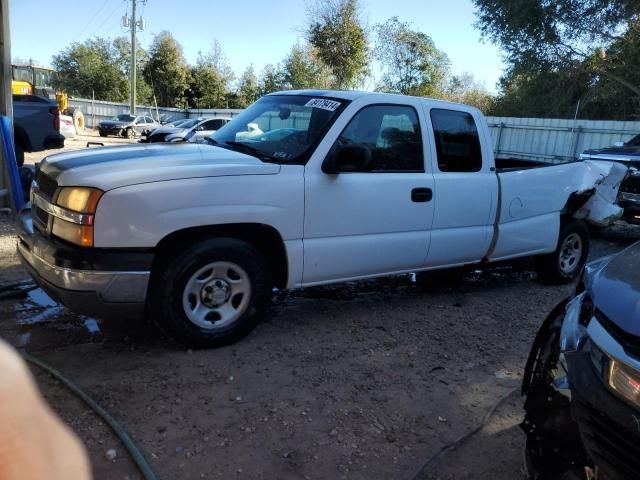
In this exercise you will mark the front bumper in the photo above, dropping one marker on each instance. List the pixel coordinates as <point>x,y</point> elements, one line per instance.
<point>110,130</point>
<point>609,427</point>
<point>94,282</point>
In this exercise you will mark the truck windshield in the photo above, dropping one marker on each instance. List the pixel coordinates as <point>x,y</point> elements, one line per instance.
<point>280,128</point>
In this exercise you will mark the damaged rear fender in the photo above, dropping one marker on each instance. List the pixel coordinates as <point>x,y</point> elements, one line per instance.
<point>599,189</point>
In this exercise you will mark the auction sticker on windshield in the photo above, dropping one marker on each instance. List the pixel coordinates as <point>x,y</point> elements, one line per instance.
<point>323,103</point>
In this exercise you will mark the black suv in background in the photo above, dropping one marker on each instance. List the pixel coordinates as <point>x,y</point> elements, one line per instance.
<point>582,379</point>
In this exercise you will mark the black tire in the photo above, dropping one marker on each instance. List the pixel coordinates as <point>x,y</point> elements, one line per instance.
<point>19,154</point>
<point>129,133</point>
<point>102,134</point>
<point>165,301</point>
<point>555,268</point>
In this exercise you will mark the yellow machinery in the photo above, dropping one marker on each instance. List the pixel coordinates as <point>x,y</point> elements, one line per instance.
<point>32,80</point>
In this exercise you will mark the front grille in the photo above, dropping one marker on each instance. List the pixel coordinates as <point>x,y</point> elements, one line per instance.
<point>46,184</point>
<point>631,185</point>
<point>47,187</point>
<point>613,447</point>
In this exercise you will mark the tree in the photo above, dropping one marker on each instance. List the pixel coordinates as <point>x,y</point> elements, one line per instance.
<point>411,63</point>
<point>248,91</point>
<point>91,67</point>
<point>301,70</point>
<point>167,70</point>
<point>122,46</point>
<point>465,89</point>
<point>272,79</point>
<point>551,34</point>
<point>339,38</point>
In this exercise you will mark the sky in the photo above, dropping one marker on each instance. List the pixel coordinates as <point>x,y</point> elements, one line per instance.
<point>255,32</point>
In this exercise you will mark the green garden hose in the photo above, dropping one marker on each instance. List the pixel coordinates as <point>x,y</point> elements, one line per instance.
<point>120,432</point>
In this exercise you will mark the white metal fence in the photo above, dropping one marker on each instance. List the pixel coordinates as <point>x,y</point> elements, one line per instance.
<point>555,140</point>
<point>547,139</point>
<point>96,111</point>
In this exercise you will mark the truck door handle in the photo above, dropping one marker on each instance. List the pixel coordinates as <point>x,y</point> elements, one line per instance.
<point>421,195</point>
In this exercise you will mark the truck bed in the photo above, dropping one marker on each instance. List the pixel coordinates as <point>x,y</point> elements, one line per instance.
<point>512,164</point>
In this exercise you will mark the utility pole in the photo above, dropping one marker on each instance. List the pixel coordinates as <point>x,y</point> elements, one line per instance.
<point>134,25</point>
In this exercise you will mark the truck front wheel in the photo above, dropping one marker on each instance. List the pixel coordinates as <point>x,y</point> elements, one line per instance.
<point>565,264</point>
<point>211,295</point>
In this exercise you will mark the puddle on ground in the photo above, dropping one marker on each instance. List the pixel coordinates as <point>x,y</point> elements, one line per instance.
<point>41,322</point>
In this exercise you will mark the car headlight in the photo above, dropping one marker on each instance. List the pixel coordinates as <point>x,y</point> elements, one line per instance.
<point>625,381</point>
<point>79,199</point>
<point>73,219</point>
<point>621,379</point>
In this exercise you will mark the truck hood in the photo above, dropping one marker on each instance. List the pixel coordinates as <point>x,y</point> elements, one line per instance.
<point>616,290</point>
<point>161,130</point>
<point>107,168</point>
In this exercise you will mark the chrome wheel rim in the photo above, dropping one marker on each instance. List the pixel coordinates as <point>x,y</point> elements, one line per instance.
<point>216,295</point>
<point>570,254</point>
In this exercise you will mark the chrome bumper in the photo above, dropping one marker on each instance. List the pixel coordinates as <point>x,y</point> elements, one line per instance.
<point>92,292</point>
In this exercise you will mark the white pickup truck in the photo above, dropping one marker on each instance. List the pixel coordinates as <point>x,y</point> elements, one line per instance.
<point>332,186</point>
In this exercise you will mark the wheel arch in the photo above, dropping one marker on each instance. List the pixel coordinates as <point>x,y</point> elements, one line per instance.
<point>263,237</point>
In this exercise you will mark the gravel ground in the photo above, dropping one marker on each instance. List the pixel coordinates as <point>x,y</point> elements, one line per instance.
<point>364,380</point>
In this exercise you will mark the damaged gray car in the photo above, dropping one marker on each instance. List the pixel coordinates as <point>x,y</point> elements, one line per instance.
<point>582,379</point>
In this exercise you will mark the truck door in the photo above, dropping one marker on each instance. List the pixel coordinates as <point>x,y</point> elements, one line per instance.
<point>377,220</point>
<point>466,190</point>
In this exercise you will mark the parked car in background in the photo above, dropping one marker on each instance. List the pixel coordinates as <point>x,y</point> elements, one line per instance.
<point>127,125</point>
<point>344,186</point>
<point>180,126</point>
<point>200,131</point>
<point>582,379</point>
<point>627,153</point>
<point>36,125</point>
<point>67,128</point>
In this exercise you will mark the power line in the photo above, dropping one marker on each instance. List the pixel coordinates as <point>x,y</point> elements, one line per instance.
<point>108,17</point>
<point>104,4</point>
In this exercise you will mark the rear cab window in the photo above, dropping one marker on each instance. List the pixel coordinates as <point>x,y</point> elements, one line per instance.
<point>457,141</point>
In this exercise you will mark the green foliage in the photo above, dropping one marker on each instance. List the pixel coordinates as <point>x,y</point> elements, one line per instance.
<point>167,70</point>
<point>301,70</point>
<point>272,79</point>
<point>91,66</point>
<point>412,65</point>
<point>339,38</point>
<point>465,89</point>
<point>248,91</point>
<point>122,45</point>
<point>210,79</point>
<point>564,51</point>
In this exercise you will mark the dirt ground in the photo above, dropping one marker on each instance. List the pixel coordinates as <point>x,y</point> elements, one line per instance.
<point>359,381</point>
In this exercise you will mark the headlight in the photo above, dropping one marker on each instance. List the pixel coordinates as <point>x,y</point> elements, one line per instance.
<point>74,213</point>
<point>79,199</point>
<point>625,381</point>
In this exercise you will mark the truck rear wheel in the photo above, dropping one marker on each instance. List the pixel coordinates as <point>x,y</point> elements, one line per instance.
<point>211,295</point>
<point>565,264</point>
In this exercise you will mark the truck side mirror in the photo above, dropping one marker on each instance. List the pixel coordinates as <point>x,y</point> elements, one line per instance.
<point>349,158</point>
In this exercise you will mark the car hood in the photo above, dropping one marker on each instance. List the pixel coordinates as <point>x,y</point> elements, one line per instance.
<point>107,168</point>
<point>113,124</point>
<point>625,151</point>
<point>616,290</point>
<point>166,130</point>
